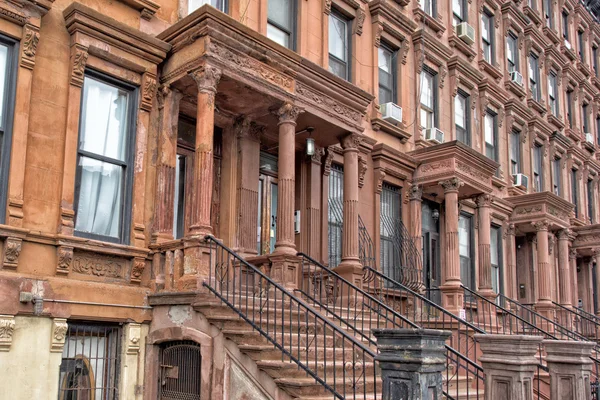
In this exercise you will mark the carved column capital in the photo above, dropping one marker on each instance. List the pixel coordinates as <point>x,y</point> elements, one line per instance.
<point>7,329</point>
<point>564,234</point>
<point>510,230</point>
<point>351,141</point>
<point>288,113</point>
<point>328,161</point>
<point>59,334</point>
<point>362,170</point>
<point>317,156</point>
<point>596,252</point>
<point>573,254</point>
<point>451,185</point>
<point>484,200</point>
<point>415,192</point>
<point>541,225</point>
<point>380,176</point>
<point>207,78</point>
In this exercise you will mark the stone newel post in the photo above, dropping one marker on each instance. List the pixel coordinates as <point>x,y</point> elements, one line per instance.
<point>207,77</point>
<point>485,264</point>
<point>452,293</point>
<point>411,362</point>
<point>509,364</point>
<point>570,369</point>
<point>544,301</point>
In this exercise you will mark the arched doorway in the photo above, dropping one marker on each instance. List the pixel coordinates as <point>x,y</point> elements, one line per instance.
<point>180,364</point>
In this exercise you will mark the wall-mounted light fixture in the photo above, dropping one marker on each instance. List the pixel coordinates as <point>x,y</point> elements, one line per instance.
<point>435,214</point>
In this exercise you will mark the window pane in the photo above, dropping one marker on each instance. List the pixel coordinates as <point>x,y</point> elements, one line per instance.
<point>104,119</point>
<point>385,60</point>
<point>427,90</point>
<point>457,8</point>
<point>385,95</point>
<point>460,114</point>
<point>100,202</point>
<point>485,27</point>
<point>3,61</point>
<point>464,237</point>
<point>280,12</point>
<point>278,36</point>
<point>337,67</point>
<point>494,240</point>
<point>179,201</point>
<point>193,5</point>
<point>489,129</point>
<point>337,37</point>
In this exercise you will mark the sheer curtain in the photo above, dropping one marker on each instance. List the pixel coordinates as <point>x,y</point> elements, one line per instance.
<point>103,133</point>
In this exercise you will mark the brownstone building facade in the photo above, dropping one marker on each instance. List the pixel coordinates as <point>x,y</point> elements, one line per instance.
<point>446,144</point>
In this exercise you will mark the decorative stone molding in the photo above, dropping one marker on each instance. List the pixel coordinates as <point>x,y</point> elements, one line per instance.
<point>362,170</point>
<point>29,43</point>
<point>288,113</point>
<point>133,335</point>
<point>137,269</point>
<point>509,230</point>
<point>98,265</point>
<point>415,192</point>
<point>541,225</point>
<point>380,176</point>
<point>328,161</point>
<point>147,8</point>
<point>79,56</point>
<point>484,200</point>
<point>573,254</point>
<point>12,250</point>
<point>64,260</point>
<point>59,334</point>
<point>360,21</point>
<point>207,78</point>
<point>148,91</point>
<point>551,242</point>
<point>317,156</point>
<point>7,330</point>
<point>332,107</point>
<point>351,142</point>
<point>564,234</point>
<point>451,185</point>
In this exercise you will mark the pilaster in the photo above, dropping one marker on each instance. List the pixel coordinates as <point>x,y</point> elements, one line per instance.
<point>484,203</point>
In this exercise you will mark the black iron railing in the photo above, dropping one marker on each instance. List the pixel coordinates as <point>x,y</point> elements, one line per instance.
<point>366,249</point>
<point>464,378</point>
<point>578,320</point>
<point>335,359</point>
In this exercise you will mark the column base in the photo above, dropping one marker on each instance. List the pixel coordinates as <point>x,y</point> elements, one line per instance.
<point>196,264</point>
<point>161,237</point>
<point>285,248</point>
<point>351,270</point>
<point>453,297</point>
<point>546,309</point>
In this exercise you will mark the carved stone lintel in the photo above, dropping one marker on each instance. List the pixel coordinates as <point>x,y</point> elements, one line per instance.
<point>351,141</point>
<point>380,176</point>
<point>317,156</point>
<point>328,160</point>
<point>484,200</point>
<point>133,335</point>
<point>137,269</point>
<point>541,225</point>
<point>7,329</point>
<point>29,45</point>
<point>415,192</point>
<point>362,170</point>
<point>79,56</point>
<point>288,113</point>
<point>148,91</point>
<point>64,260</point>
<point>451,185</point>
<point>59,334</point>
<point>12,250</point>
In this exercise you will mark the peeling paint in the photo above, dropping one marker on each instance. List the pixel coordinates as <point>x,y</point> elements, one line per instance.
<point>179,315</point>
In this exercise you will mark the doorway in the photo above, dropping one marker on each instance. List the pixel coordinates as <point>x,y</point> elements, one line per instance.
<point>268,196</point>
<point>431,250</point>
<point>180,371</point>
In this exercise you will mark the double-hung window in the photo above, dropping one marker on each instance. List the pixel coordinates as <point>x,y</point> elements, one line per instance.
<point>512,52</point>
<point>595,60</point>
<point>465,246</point>
<point>387,75</point>
<point>538,177</point>
<point>461,118</point>
<point>548,13</point>
<point>496,258</point>
<point>534,76</point>
<point>281,22</point>
<point>339,45</point>
<point>104,173</point>
<point>515,152</point>
<point>598,130</point>
<point>428,99</point>
<point>491,136</point>
<point>220,5</point>
<point>590,200</point>
<point>585,118</point>
<point>8,73</point>
<point>552,93</point>
<point>575,192</point>
<point>487,36</point>
<point>429,6</point>
<point>565,25</point>
<point>570,107</point>
<point>556,177</point>
<point>580,46</point>
<point>459,11</point>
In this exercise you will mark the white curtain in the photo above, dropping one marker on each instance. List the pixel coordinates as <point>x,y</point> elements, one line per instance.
<point>103,132</point>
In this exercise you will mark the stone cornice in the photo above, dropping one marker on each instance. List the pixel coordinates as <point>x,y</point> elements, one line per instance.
<point>511,11</point>
<point>464,72</point>
<point>534,207</point>
<point>430,47</point>
<point>147,8</point>
<point>393,161</point>
<point>391,17</point>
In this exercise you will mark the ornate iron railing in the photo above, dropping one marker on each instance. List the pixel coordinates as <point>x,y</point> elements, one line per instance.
<point>366,249</point>
<point>578,320</point>
<point>335,359</point>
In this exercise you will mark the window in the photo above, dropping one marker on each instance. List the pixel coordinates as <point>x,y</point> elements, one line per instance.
<point>461,118</point>
<point>548,13</point>
<point>598,132</point>
<point>465,245</point>
<point>534,76</point>
<point>584,118</point>
<point>574,192</point>
<point>512,52</point>
<point>281,22</point>
<point>595,60</point>
<point>387,75</point>
<point>590,200</point>
<point>538,178</point>
<point>570,107</point>
<point>531,3</point>
<point>428,99</point>
<point>515,152</point>
<point>565,25</point>
<point>90,362</point>
<point>193,5</point>
<point>487,36</point>
<point>339,45</point>
<point>580,46</point>
<point>104,176</point>
<point>491,137</point>
<point>390,221</point>
<point>556,177</point>
<point>184,171</point>
<point>496,258</point>
<point>429,6</point>
<point>335,214</point>
<point>552,92</point>
<point>8,73</point>
<point>459,11</point>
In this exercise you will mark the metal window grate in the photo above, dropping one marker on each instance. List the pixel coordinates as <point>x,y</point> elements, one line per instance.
<point>180,370</point>
<point>90,363</point>
<point>336,214</point>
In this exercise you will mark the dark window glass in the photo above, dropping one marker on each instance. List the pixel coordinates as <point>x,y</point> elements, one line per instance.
<point>487,36</point>
<point>339,45</point>
<point>574,192</point>
<point>496,258</point>
<point>570,107</point>
<point>534,76</point>
<point>556,176</point>
<point>590,200</point>
<point>335,214</point>
<point>552,93</point>
<point>548,13</point>
<point>565,25</point>
<point>538,178</point>
<point>512,52</point>
<point>8,73</point>
<point>281,22</point>
<point>104,174</point>
<point>459,11</point>
<point>580,45</point>
<point>515,152</point>
<point>491,136</point>
<point>595,60</point>
<point>461,118</point>
<point>429,6</point>
<point>387,75</point>
<point>584,118</point>
<point>390,220</point>
<point>598,130</point>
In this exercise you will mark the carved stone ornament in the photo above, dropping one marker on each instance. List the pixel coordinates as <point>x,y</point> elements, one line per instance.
<point>328,161</point>
<point>442,76</point>
<point>133,334</point>
<point>415,192</point>
<point>378,32</point>
<point>148,91</point>
<point>98,265</point>
<point>362,170</point>
<point>161,95</point>
<point>329,105</point>
<point>573,254</point>
<point>451,185</point>
<point>12,250</point>
<point>207,78</point>
<point>317,156</point>
<point>541,225</point>
<point>360,21</point>
<point>288,113</point>
<point>65,259</point>
<point>380,177</point>
<point>404,48</point>
<point>327,6</point>
<point>137,269</point>
<point>509,230</point>
<point>59,334</point>
<point>7,329</point>
<point>485,200</point>
<point>29,46</point>
<point>79,56</point>
<point>564,234</point>
<point>351,142</point>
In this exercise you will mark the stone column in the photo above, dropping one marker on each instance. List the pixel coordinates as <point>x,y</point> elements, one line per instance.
<point>510,365</point>
<point>452,293</point>
<point>570,369</point>
<point>207,77</point>
<point>574,283</point>
<point>511,261</point>
<point>415,197</point>
<point>544,301</point>
<point>350,265</point>
<point>597,293</point>
<point>248,165</point>
<point>564,270</point>
<point>312,232</point>
<point>286,164</point>
<point>411,362</point>
<point>484,203</point>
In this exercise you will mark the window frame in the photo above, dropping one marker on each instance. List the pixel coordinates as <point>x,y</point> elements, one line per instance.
<point>394,71</point>
<point>569,94</point>
<point>348,21</point>
<point>580,45</point>
<point>467,128</point>
<point>537,167</point>
<point>590,200</point>
<point>294,24</point>
<point>512,38</point>
<point>557,176</point>
<point>472,284</point>
<point>548,14</point>
<point>575,191</point>
<point>491,42</point>
<point>225,9</point>
<point>585,116</point>
<point>8,102</point>
<point>565,25</point>
<point>458,19</point>
<point>553,99</point>
<point>515,135</point>
<point>494,116</point>
<point>535,80</point>
<point>595,60</point>
<point>434,94</point>
<point>127,164</point>
<point>433,6</point>
<point>500,265</point>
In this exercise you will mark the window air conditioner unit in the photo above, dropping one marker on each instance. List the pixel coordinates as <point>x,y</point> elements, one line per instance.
<point>466,33</point>
<point>434,135</point>
<point>589,138</point>
<point>568,44</point>
<point>516,77</point>
<point>391,112</point>
<point>521,180</point>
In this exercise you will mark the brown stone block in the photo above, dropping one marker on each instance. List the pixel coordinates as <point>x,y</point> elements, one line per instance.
<point>52,147</point>
<point>37,259</point>
<point>40,215</point>
<point>42,184</point>
<point>48,119</point>
<point>53,55</point>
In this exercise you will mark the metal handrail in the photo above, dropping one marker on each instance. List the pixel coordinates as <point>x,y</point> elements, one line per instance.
<point>573,319</point>
<point>366,254</point>
<point>260,301</point>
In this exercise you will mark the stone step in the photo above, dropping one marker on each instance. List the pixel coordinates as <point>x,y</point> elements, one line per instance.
<point>288,369</point>
<point>304,387</point>
<point>269,352</point>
